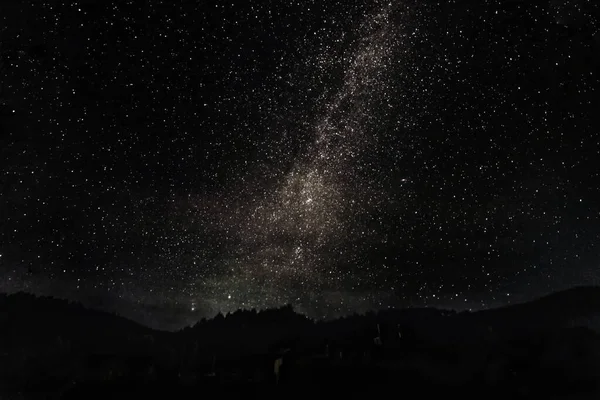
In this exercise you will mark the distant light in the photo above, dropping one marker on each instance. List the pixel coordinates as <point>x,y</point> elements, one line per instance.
<point>229,296</point>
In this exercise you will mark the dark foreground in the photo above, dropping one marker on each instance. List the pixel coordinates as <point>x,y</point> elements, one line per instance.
<point>51,349</point>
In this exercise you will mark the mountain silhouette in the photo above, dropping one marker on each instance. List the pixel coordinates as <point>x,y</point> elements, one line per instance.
<point>574,306</point>
<point>55,346</point>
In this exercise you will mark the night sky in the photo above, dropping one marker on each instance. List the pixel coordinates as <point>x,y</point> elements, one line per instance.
<point>171,159</point>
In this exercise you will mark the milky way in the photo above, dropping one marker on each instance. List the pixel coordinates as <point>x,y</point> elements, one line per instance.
<point>286,246</point>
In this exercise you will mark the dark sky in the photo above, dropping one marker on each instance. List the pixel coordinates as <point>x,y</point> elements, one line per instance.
<point>168,160</point>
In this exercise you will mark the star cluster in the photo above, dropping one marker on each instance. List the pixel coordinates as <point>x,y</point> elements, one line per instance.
<point>186,158</point>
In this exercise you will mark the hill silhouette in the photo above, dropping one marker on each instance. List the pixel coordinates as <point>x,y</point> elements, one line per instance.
<point>577,306</point>
<point>53,348</point>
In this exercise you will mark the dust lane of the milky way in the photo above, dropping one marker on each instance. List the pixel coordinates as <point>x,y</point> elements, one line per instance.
<point>170,160</point>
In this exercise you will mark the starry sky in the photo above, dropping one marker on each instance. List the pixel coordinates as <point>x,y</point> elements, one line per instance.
<point>172,159</point>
